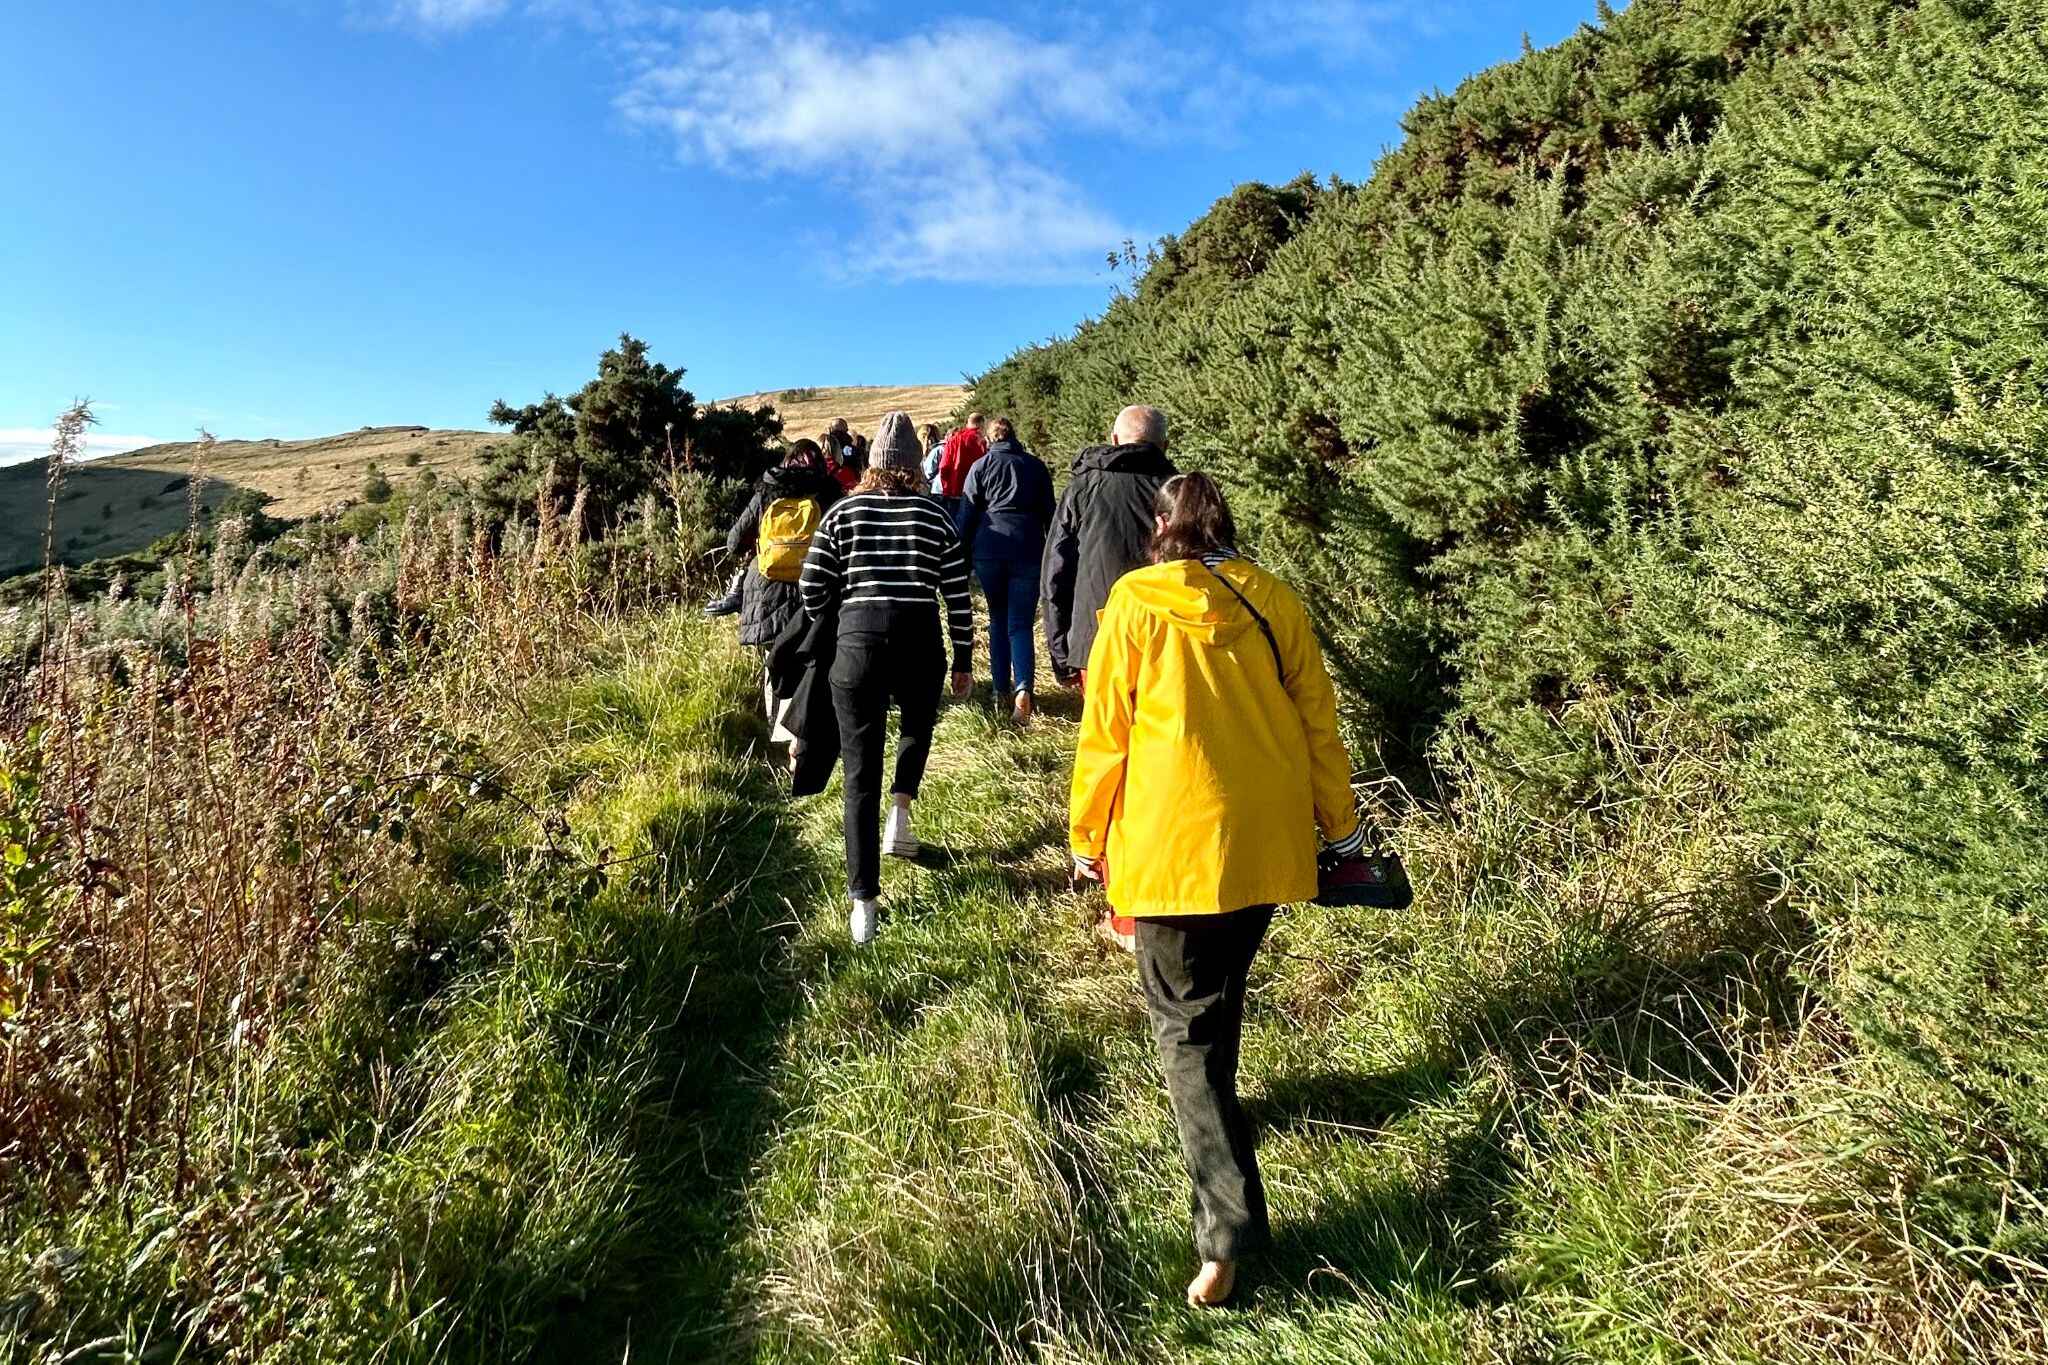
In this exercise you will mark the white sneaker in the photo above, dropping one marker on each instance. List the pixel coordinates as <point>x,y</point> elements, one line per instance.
<point>861,923</point>
<point>897,840</point>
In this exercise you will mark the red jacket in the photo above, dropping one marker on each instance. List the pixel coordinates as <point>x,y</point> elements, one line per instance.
<point>963,448</point>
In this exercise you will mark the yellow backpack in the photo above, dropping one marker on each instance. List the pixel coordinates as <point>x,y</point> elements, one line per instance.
<point>787,525</point>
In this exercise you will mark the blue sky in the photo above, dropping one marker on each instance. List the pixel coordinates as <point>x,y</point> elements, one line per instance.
<point>289,218</point>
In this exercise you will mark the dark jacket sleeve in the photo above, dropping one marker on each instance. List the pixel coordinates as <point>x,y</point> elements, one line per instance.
<point>1056,584</point>
<point>1041,500</point>
<point>968,517</point>
<point>740,540</point>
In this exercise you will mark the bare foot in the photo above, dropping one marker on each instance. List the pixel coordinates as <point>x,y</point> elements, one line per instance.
<point>1212,1284</point>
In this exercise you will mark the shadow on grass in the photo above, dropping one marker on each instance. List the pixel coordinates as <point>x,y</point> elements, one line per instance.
<point>936,858</point>
<point>1569,1030</point>
<point>1442,1234</point>
<point>710,919</point>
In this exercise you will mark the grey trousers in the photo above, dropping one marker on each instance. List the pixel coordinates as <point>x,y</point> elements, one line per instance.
<point>1193,968</point>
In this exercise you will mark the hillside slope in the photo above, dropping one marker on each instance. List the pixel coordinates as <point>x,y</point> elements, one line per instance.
<point>806,412</point>
<point>118,505</point>
<point>121,504</point>
<point>1679,390</point>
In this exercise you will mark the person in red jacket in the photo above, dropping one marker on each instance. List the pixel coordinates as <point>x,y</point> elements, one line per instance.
<point>963,448</point>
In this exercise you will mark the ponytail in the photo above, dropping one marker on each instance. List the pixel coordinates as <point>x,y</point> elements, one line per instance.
<point>1198,521</point>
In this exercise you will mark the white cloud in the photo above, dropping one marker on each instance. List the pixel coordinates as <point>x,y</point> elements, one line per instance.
<point>33,443</point>
<point>446,15</point>
<point>1331,30</point>
<point>941,143</point>
<point>940,136</point>
<point>1023,225</point>
<point>747,90</point>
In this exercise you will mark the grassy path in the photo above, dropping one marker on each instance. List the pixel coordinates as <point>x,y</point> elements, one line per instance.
<point>1496,1127</point>
<point>954,1145</point>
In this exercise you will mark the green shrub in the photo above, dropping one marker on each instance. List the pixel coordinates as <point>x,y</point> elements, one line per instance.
<point>1697,365</point>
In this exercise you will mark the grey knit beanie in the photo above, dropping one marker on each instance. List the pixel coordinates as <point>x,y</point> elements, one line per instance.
<point>896,445</point>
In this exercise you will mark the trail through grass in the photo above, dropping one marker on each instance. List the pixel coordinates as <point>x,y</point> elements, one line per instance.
<point>1573,1105</point>
<point>959,1148</point>
<point>654,1105</point>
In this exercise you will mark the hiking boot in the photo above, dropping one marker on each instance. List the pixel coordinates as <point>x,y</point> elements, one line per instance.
<point>1022,709</point>
<point>862,922</point>
<point>730,603</point>
<point>897,840</point>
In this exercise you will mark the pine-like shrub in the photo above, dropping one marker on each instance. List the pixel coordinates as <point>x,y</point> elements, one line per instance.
<point>1697,365</point>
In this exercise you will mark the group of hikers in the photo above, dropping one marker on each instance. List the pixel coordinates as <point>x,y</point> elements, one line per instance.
<point>1208,760</point>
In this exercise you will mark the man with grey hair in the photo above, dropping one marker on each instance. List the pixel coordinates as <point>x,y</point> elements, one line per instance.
<point>1101,530</point>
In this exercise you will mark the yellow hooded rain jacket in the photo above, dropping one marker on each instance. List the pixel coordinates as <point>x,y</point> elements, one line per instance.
<point>1200,775</point>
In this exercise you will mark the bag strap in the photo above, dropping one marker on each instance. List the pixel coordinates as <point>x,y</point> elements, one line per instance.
<point>1265,626</point>
<point>1370,849</point>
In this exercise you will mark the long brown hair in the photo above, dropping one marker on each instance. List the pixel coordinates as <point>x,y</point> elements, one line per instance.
<point>890,481</point>
<point>1198,520</point>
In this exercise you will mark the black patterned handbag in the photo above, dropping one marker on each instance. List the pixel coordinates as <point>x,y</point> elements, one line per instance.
<point>1377,880</point>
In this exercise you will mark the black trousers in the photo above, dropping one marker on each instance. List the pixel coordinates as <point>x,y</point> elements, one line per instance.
<point>872,669</point>
<point>1193,968</point>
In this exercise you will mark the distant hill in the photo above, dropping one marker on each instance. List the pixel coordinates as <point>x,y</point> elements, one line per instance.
<point>806,412</point>
<point>119,505</point>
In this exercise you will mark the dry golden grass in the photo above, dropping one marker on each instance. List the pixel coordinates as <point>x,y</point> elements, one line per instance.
<point>806,412</point>
<point>305,476</point>
<point>119,505</point>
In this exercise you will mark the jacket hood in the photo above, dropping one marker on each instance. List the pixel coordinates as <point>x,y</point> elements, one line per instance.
<point>1132,459</point>
<point>1186,594</point>
<point>794,481</point>
<point>1012,447</point>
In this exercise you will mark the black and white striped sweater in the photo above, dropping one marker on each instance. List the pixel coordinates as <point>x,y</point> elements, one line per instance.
<point>880,557</point>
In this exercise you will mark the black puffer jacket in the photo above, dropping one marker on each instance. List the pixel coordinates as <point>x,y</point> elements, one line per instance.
<point>1100,532</point>
<point>766,604</point>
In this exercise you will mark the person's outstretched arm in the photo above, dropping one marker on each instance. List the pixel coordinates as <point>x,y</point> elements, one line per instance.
<point>1103,750</point>
<point>1056,580</point>
<point>1308,684</point>
<point>823,574</point>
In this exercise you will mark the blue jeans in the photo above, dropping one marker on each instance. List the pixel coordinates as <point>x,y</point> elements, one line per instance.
<point>1011,586</point>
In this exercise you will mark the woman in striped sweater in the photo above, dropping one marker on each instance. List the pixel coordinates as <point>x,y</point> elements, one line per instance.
<point>884,559</point>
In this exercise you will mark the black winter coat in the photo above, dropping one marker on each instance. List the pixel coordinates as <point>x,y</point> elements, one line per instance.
<point>1005,506</point>
<point>1100,532</point>
<point>766,604</point>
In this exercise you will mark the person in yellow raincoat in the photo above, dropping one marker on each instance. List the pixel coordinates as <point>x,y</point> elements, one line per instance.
<point>1208,760</point>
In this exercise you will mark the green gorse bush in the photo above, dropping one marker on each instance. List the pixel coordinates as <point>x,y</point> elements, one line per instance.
<point>1696,368</point>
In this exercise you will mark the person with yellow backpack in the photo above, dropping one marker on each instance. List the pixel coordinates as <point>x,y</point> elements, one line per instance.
<point>773,535</point>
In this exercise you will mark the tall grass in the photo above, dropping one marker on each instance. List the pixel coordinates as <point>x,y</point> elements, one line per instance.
<point>227,813</point>
<point>1579,1103</point>
<point>581,1065</point>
